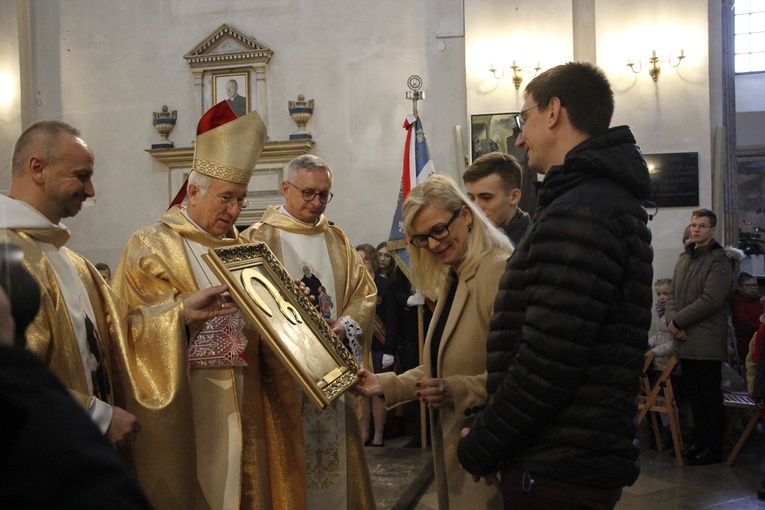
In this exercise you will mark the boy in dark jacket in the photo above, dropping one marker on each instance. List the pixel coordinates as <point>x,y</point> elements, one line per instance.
<point>571,318</point>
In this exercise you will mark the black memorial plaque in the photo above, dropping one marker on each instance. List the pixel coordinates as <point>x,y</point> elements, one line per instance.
<point>674,179</point>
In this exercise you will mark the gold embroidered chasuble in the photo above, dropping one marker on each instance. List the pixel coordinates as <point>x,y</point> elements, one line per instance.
<point>51,335</point>
<point>356,297</point>
<point>155,269</point>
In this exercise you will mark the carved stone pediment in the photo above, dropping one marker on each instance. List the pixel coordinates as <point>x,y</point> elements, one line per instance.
<point>226,46</point>
<point>230,55</point>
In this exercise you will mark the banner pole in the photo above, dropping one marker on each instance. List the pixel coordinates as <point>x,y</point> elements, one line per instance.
<point>420,344</point>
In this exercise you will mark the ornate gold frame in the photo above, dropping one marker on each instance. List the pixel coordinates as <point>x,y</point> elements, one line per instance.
<point>286,319</point>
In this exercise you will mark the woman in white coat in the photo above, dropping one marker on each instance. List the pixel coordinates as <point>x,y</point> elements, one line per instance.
<point>457,254</point>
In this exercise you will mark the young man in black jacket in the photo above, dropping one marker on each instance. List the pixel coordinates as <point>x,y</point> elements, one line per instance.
<point>571,318</point>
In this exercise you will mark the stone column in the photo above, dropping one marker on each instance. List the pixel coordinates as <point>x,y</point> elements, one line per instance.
<point>583,14</point>
<point>261,93</point>
<point>730,166</point>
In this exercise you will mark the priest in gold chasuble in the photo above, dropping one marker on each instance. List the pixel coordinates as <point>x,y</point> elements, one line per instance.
<point>78,332</point>
<point>300,236</point>
<point>223,427</point>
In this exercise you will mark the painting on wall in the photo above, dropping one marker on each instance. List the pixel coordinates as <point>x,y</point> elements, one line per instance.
<point>232,87</point>
<point>491,132</point>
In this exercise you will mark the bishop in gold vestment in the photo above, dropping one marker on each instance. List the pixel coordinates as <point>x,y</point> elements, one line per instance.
<point>222,429</point>
<point>156,267</point>
<point>337,475</point>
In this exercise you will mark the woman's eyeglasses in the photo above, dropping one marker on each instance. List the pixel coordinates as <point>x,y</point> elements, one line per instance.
<point>438,233</point>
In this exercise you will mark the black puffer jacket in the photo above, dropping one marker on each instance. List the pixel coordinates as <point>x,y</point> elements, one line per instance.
<point>570,325</point>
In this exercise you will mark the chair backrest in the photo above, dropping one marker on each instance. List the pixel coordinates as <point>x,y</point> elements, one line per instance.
<point>649,398</point>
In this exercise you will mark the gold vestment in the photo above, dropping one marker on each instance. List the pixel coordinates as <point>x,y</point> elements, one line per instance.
<point>155,269</point>
<point>51,335</point>
<point>356,298</point>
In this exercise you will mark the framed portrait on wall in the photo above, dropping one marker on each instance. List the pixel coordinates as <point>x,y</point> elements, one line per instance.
<point>287,321</point>
<point>490,132</point>
<point>232,87</point>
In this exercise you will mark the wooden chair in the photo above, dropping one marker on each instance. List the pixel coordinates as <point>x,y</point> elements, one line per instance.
<point>660,398</point>
<point>738,402</point>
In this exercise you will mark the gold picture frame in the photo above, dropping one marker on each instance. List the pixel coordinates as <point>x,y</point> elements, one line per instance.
<point>290,325</point>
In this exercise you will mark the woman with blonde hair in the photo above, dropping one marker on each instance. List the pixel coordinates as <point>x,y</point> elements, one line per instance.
<point>457,254</point>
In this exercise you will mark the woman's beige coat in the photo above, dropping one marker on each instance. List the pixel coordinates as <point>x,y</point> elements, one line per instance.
<point>462,362</point>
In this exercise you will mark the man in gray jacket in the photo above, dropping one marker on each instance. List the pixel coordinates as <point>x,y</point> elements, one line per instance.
<point>697,316</point>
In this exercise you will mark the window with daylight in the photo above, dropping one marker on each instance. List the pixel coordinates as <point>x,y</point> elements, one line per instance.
<point>749,23</point>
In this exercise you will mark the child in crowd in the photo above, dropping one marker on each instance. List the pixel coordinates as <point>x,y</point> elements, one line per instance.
<point>663,345</point>
<point>746,305</point>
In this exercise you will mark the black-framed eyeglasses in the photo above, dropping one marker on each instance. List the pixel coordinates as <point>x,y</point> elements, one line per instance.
<point>520,120</point>
<point>438,233</point>
<point>241,203</point>
<point>325,197</point>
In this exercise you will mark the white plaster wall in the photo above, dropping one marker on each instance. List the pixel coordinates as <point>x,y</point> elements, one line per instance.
<point>106,66</point>
<point>498,33</point>
<point>671,115</point>
<point>10,111</point>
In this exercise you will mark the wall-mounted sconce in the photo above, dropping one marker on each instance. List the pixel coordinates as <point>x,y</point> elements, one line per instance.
<point>652,62</point>
<point>518,72</point>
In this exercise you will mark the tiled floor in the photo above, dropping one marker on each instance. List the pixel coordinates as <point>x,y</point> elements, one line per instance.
<point>394,469</point>
<point>662,485</point>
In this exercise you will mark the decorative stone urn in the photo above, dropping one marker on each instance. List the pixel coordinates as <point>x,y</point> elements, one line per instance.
<point>301,112</point>
<point>164,122</point>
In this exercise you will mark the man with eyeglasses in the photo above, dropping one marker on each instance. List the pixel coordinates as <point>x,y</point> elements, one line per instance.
<point>298,233</point>
<point>571,318</point>
<point>697,315</point>
<point>208,445</point>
